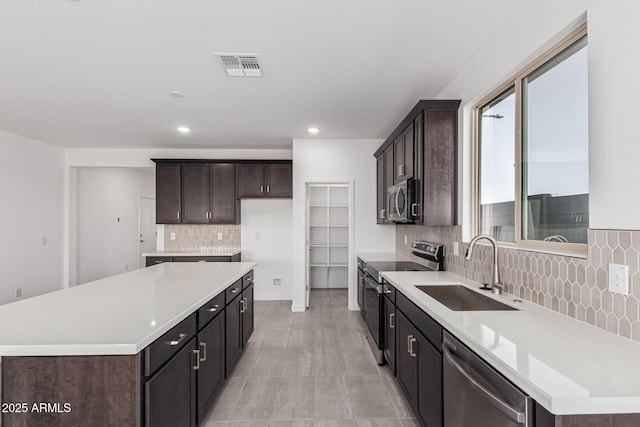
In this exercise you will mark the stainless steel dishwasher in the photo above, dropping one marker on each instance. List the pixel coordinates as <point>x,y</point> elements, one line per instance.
<point>475,394</point>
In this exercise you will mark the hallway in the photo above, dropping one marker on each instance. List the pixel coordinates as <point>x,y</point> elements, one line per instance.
<point>310,369</point>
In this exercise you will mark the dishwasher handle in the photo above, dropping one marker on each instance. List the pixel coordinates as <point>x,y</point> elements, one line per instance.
<point>502,406</point>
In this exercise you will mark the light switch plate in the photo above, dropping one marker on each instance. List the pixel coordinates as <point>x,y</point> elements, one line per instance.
<point>219,236</point>
<point>619,278</point>
<point>173,236</point>
<point>277,282</point>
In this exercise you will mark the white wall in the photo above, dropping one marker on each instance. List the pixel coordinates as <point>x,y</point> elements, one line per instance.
<point>266,233</point>
<point>31,188</point>
<point>107,220</point>
<point>322,160</point>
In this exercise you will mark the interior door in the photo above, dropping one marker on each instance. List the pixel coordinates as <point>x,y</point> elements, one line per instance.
<point>146,228</point>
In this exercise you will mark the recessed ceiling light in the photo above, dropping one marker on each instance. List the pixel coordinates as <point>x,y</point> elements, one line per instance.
<point>183,129</point>
<point>176,94</point>
<point>313,130</point>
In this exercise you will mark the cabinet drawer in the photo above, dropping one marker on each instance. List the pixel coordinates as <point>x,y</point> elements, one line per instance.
<point>210,310</point>
<point>389,292</point>
<point>153,260</point>
<point>247,279</point>
<point>233,290</point>
<point>425,324</point>
<point>201,259</point>
<point>156,354</point>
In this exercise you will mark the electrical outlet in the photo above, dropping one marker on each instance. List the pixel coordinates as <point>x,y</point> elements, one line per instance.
<point>619,278</point>
<point>18,292</point>
<point>173,236</point>
<point>219,236</point>
<point>456,248</point>
<point>277,282</point>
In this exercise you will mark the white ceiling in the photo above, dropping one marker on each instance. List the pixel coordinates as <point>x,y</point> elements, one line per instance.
<point>96,73</point>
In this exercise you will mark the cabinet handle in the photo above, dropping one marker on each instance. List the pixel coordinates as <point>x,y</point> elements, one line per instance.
<point>268,189</point>
<point>178,214</point>
<point>410,341</point>
<point>214,308</point>
<point>180,338</point>
<point>249,279</point>
<point>241,305</point>
<point>391,317</point>
<point>401,171</point>
<point>204,352</point>
<point>382,213</point>
<point>235,290</point>
<point>158,261</point>
<point>414,209</point>
<point>262,188</point>
<point>197,353</point>
<point>387,290</point>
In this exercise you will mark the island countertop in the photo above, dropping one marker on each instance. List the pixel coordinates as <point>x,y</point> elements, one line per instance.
<point>119,315</point>
<point>567,366</point>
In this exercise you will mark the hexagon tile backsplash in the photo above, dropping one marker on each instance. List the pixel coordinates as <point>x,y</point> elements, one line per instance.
<point>575,287</point>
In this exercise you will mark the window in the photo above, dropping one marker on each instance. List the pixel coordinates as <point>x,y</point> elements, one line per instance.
<point>532,153</point>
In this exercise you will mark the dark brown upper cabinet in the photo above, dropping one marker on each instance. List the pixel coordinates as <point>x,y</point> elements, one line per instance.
<point>384,180</point>
<point>266,179</point>
<point>403,153</point>
<point>196,192</point>
<point>423,147</point>
<point>208,193</point>
<point>168,193</point>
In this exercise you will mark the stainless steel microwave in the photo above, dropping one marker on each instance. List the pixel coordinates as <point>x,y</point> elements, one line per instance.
<point>401,201</point>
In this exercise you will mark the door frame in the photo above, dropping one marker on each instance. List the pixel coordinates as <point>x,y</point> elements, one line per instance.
<point>351,271</point>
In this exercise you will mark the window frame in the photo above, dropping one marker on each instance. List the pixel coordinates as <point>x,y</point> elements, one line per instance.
<point>515,81</point>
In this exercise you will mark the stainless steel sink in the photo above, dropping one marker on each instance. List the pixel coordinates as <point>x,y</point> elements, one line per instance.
<point>459,298</point>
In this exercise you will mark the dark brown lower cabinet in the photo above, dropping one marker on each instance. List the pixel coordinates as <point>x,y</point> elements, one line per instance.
<point>247,314</point>
<point>419,373</point>
<point>170,394</point>
<point>233,333</point>
<point>390,321</point>
<point>210,376</point>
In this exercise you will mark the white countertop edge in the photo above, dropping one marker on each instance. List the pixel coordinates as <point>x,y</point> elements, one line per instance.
<point>163,253</point>
<point>579,405</point>
<point>55,350</point>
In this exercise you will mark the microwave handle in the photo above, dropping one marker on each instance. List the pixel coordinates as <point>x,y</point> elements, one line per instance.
<point>397,209</point>
<point>414,209</point>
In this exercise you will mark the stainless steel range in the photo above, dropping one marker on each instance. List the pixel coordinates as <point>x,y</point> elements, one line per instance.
<point>373,303</point>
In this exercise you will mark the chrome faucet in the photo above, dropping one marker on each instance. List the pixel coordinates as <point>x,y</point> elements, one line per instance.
<point>496,286</point>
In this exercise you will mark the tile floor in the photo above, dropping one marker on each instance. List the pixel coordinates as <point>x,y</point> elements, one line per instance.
<point>310,369</point>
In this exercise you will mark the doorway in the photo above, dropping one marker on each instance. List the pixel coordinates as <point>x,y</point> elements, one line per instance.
<point>146,228</point>
<point>329,236</point>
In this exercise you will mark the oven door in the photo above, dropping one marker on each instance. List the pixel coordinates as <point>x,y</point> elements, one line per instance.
<point>372,298</point>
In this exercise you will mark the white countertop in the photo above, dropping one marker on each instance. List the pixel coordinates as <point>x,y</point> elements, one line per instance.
<point>382,256</point>
<point>221,253</point>
<point>567,366</point>
<point>118,315</point>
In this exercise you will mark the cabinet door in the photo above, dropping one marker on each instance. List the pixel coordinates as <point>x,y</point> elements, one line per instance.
<point>388,175</point>
<point>278,180</point>
<point>247,314</point>
<point>233,333</point>
<point>381,191</point>
<point>195,193</point>
<point>170,395</point>
<point>440,167</point>
<point>408,143</point>
<point>390,322</point>
<point>250,179</point>
<point>407,362</point>
<point>168,193</point>
<point>211,372</point>
<point>429,399</point>
<point>153,260</point>
<point>360,289</point>
<point>224,203</point>
<point>398,157</point>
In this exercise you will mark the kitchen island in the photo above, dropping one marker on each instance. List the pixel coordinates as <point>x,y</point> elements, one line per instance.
<point>95,354</point>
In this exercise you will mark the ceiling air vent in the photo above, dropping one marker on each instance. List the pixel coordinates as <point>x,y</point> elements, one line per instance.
<point>241,64</point>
